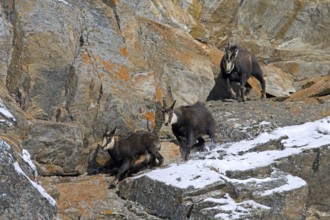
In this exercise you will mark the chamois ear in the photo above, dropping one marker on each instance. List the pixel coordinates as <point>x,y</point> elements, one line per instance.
<point>159,106</point>
<point>113,131</point>
<point>164,103</point>
<point>172,106</point>
<point>235,52</point>
<point>106,130</point>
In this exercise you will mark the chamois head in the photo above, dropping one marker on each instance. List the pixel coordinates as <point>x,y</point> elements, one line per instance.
<point>230,55</point>
<point>108,141</point>
<point>169,116</point>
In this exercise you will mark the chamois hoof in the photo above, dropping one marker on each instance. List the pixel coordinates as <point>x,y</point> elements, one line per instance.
<point>228,100</point>
<point>111,186</point>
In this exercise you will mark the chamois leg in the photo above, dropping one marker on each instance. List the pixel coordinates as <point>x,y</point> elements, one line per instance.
<point>140,164</point>
<point>185,152</point>
<point>230,89</point>
<point>211,133</point>
<point>200,143</point>
<point>184,149</point>
<point>263,91</point>
<point>122,172</point>
<point>259,76</point>
<point>248,88</point>
<point>155,154</point>
<point>242,86</point>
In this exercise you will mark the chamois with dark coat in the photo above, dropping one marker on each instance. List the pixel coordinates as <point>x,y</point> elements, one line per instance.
<point>189,123</point>
<point>238,65</point>
<point>127,151</point>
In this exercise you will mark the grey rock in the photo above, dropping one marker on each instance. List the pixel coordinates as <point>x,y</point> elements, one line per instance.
<point>20,197</point>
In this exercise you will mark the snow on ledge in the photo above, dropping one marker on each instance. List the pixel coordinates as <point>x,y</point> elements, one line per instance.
<point>62,1</point>
<point>4,111</point>
<point>293,182</point>
<point>200,173</point>
<point>232,210</point>
<point>40,189</point>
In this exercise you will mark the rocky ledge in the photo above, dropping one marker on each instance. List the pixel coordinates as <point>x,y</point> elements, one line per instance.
<point>273,176</point>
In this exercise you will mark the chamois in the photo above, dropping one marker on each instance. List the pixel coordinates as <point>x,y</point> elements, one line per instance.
<point>126,151</point>
<point>189,123</point>
<point>237,65</point>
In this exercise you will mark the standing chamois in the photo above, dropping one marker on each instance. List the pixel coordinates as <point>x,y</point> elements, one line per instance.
<point>127,151</point>
<point>238,65</point>
<point>189,123</point>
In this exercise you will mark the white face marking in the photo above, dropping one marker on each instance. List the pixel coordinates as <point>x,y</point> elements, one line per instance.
<point>174,119</point>
<point>229,66</point>
<point>104,142</point>
<point>166,116</point>
<point>110,145</point>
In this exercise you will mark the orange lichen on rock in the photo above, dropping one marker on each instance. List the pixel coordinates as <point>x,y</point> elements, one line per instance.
<point>122,73</point>
<point>150,116</point>
<point>124,52</point>
<point>107,65</point>
<point>159,93</point>
<point>255,85</point>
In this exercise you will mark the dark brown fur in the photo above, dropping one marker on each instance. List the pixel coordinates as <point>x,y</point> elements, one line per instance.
<point>193,121</point>
<point>245,65</point>
<point>127,151</point>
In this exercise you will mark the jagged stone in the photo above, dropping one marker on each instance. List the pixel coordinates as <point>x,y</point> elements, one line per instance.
<point>312,166</point>
<point>21,197</point>
<point>251,198</point>
<point>79,66</point>
<point>57,149</point>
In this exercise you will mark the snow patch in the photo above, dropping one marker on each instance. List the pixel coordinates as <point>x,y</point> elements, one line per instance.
<point>4,111</point>
<point>240,156</point>
<point>232,210</point>
<point>40,189</point>
<point>62,1</point>
<point>293,182</point>
<point>27,158</point>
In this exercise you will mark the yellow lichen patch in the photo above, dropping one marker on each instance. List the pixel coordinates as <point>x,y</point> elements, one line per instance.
<point>75,194</point>
<point>326,113</point>
<point>108,212</point>
<point>122,73</point>
<point>124,52</point>
<point>101,75</point>
<point>12,140</point>
<point>85,57</point>
<point>52,168</point>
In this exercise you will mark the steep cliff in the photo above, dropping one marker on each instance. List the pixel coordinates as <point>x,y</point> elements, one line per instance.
<point>69,69</point>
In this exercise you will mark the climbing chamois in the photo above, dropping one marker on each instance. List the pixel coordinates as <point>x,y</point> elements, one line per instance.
<point>126,151</point>
<point>238,65</point>
<point>189,123</point>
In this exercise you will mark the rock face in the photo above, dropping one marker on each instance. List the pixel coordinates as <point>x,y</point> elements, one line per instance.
<point>243,179</point>
<point>82,65</point>
<point>21,197</point>
<point>69,69</point>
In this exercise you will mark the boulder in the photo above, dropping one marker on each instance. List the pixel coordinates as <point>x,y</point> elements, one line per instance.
<point>57,149</point>
<point>312,88</point>
<point>21,196</point>
<point>238,180</point>
<point>6,39</point>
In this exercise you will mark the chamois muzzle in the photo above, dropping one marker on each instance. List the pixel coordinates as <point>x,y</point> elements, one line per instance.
<point>229,66</point>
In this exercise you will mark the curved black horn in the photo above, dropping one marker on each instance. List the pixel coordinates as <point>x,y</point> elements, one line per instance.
<point>172,106</point>
<point>164,103</point>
